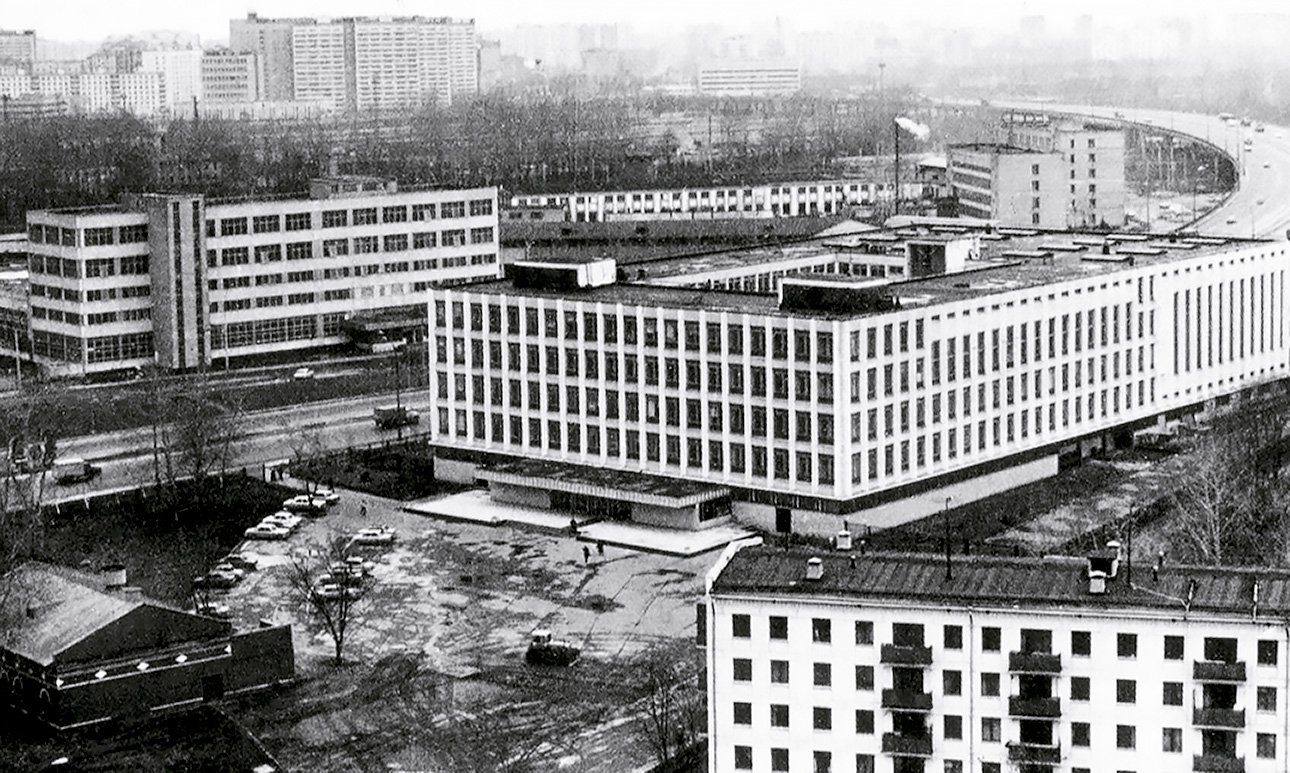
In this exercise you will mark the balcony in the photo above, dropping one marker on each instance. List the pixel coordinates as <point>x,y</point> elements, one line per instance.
<point>1213,763</point>
<point>1034,663</point>
<point>1228,718</point>
<point>906,699</point>
<point>901,655</point>
<point>1046,708</point>
<point>1213,671</point>
<point>894,743</point>
<point>1034,753</point>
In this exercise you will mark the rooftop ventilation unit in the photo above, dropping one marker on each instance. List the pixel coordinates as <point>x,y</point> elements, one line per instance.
<point>814,569</point>
<point>562,275</point>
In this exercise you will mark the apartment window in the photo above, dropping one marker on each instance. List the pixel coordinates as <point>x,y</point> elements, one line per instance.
<point>743,713</point>
<point>1267,698</point>
<point>821,630</point>
<point>743,758</point>
<point>991,729</point>
<point>953,726</point>
<point>864,677</point>
<point>953,637</point>
<point>778,627</point>
<point>1081,643</point>
<point>989,684</point>
<point>235,226</point>
<point>864,632</point>
<point>1266,746</point>
<point>741,626</point>
<point>822,718</point>
<point>1267,653</point>
<point>952,683</point>
<point>366,216</point>
<point>1173,648</point>
<point>742,669</point>
<point>335,218</point>
<point>299,221</point>
<point>1079,734</point>
<point>1126,644</point>
<point>396,214</point>
<point>823,761</point>
<point>778,715</point>
<point>1172,694</point>
<point>991,640</point>
<point>779,760</point>
<point>822,675</point>
<point>1126,691</point>
<point>1126,737</point>
<point>1079,688</point>
<point>864,721</point>
<point>423,212</point>
<point>779,672</point>
<point>864,763</point>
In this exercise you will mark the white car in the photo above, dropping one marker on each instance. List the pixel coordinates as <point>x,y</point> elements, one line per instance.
<point>304,502</point>
<point>1267,165</point>
<point>330,591</point>
<point>212,609</point>
<point>227,568</point>
<point>284,519</point>
<point>267,531</point>
<point>303,374</point>
<point>381,535</point>
<point>1231,221</point>
<point>352,566</point>
<point>327,494</point>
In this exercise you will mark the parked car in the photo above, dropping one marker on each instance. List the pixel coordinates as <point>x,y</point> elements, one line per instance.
<point>73,470</point>
<point>304,503</point>
<point>219,579</point>
<point>327,494</point>
<point>393,417</point>
<point>246,563</point>
<point>347,579</point>
<point>334,592</point>
<point>267,531</point>
<point>214,609</point>
<point>303,374</point>
<point>380,535</point>
<point>354,564</point>
<point>228,568</point>
<point>285,519</point>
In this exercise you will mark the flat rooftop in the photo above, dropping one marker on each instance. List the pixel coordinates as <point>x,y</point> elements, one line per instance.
<point>1009,259</point>
<point>994,147</point>
<point>1027,583</point>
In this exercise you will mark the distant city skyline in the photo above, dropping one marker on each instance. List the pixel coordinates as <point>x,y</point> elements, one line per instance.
<point>83,20</point>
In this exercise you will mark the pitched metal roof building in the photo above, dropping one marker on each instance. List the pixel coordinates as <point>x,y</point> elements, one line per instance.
<point>78,649</point>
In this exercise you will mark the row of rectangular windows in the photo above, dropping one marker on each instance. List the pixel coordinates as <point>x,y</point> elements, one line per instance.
<point>334,248</point>
<point>341,218</point>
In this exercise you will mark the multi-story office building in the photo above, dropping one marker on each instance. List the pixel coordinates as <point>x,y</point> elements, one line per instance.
<point>185,281</point>
<point>749,79</point>
<point>140,93</point>
<point>1016,186</point>
<point>787,199</point>
<point>1093,156</point>
<point>18,47</point>
<point>230,77</point>
<point>900,663</point>
<point>181,73</point>
<point>364,63</point>
<point>842,398</point>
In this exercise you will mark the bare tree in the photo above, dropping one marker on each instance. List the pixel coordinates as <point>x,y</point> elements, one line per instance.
<point>672,715</point>
<point>195,425</point>
<point>335,597</point>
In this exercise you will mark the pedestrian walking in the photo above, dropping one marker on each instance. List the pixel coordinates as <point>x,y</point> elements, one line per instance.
<point>600,549</point>
<point>362,511</point>
<point>586,554</point>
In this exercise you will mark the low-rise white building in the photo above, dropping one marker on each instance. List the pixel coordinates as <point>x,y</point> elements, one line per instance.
<point>876,663</point>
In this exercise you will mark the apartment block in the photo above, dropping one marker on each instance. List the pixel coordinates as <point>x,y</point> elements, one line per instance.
<point>1093,156</point>
<point>181,72</point>
<point>749,79</point>
<point>184,281</point>
<point>18,47</point>
<point>271,42</point>
<point>230,77</point>
<point>815,395</point>
<point>874,663</point>
<point>1015,186</point>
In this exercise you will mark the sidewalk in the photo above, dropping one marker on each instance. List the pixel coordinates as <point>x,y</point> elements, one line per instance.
<point>477,507</point>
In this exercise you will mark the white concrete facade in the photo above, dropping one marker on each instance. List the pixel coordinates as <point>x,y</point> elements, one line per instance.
<point>1014,186</point>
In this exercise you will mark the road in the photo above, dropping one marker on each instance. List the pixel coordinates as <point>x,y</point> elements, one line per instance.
<point>1261,204</point>
<point>126,456</point>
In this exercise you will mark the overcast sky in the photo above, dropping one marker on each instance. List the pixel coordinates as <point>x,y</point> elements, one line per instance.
<point>69,20</point>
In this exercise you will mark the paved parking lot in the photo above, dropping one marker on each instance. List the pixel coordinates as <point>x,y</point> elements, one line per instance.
<point>467,596</point>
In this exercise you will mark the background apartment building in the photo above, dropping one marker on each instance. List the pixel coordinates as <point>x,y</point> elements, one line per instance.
<point>857,399</point>
<point>18,48</point>
<point>181,74</point>
<point>1093,156</point>
<point>363,63</point>
<point>900,664</point>
<point>1015,186</point>
<point>749,78</point>
<point>185,282</point>
<point>230,77</point>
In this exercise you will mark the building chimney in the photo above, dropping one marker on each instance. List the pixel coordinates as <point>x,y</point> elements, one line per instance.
<point>814,569</point>
<point>1114,546</point>
<point>1096,583</point>
<point>114,575</point>
<point>843,540</point>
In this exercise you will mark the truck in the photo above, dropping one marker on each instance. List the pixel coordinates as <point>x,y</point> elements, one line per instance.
<point>74,470</point>
<point>395,416</point>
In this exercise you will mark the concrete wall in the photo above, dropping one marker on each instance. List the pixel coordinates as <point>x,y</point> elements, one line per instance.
<point>453,471</point>
<point>519,495</point>
<point>903,510</point>
<point>670,517</point>
<point>261,658</point>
